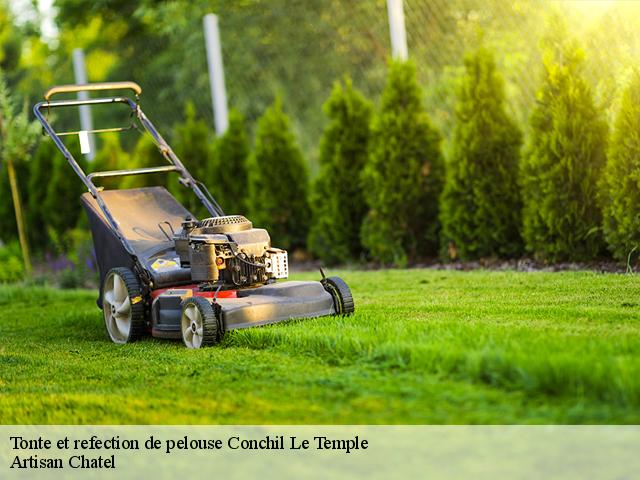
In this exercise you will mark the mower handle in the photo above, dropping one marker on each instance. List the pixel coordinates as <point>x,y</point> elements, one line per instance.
<point>133,171</point>
<point>174,162</point>
<point>92,87</point>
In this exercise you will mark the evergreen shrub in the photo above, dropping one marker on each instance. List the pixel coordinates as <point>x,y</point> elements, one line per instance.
<point>278,181</point>
<point>192,145</point>
<point>337,203</point>
<point>227,175</point>
<point>404,174</point>
<point>620,188</point>
<point>480,204</point>
<point>61,206</point>
<point>564,160</point>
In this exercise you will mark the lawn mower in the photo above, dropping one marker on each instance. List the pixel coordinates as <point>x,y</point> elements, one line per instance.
<point>164,272</point>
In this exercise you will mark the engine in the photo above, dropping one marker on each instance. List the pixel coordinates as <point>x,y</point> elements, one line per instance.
<point>228,251</point>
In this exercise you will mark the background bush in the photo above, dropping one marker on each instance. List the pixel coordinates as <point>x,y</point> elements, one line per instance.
<point>11,264</point>
<point>61,206</point>
<point>8,228</point>
<point>278,181</point>
<point>17,139</point>
<point>110,156</point>
<point>146,154</point>
<point>560,219</point>
<point>480,205</point>
<point>621,182</point>
<point>80,270</point>
<point>38,178</point>
<point>192,145</point>
<point>227,175</point>
<point>560,170</point>
<point>404,174</point>
<point>337,203</point>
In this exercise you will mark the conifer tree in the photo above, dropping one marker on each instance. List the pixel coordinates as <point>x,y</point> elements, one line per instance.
<point>404,174</point>
<point>8,228</point>
<point>17,137</point>
<point>111,156</point>
<point>620,188</point>
<point>480,205</point>
<point>562,165</point>
<point>192,145</point>
<point>62,202</point>
<point>227,173</point>
<point>146,154</point>
<point>40,169</point>
<point>337,203</point>
<point>278,181</point>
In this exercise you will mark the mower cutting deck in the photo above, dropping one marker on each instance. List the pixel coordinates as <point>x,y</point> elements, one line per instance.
<point>166,273</point>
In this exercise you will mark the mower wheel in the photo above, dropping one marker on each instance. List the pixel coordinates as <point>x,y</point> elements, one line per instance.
<point>341,293</point>
<point>122,306</point>
<point>200,323</point>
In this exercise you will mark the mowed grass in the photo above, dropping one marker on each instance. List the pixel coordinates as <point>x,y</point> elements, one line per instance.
<point>424,347</point>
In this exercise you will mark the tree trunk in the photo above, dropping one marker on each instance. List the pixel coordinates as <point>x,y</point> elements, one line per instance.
<point>17,205</point>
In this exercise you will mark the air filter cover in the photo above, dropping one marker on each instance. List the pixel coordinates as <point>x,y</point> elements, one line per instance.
<point>226,224</point>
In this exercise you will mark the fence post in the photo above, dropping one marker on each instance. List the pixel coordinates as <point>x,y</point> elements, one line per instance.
<point>216,73</point>
<point>86,123</point>
<point>397,29</point>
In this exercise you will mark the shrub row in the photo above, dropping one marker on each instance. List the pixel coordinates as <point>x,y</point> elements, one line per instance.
<point>565,194</point>
<point>384,190</point>
<point>269,185</point>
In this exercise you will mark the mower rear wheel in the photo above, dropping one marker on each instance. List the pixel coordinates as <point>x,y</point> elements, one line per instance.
<point>341,293</point>
<point>122,306</point>
<point>200,323</point>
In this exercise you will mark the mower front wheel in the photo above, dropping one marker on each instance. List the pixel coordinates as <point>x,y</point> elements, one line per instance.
<point>341,293</point>
<point>200,323</point>
<point>122,306</point>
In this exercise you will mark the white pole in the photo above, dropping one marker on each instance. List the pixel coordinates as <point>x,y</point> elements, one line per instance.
<point>86,123</point>
<point>397,30</point>
<point>216,73</point>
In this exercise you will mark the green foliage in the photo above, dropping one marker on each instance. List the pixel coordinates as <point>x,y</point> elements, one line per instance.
<point>110,156</point>
<point>265,43</point>
<point>278,181</point>
<point>17,137</point>
<point>404,175</point>
<point>560,170</point>
<point>480,204</point>
<point>228,172</point>
<point>54,208</point>
<point>10,41</point>
<point>83,272</point>
<point>11,264</point>
<point>18,133</point>
<point>39,179</point>
<point>192,146</point>
<point>8,228</point>
<point>61,207</point>
<point>146,154</point>
<point>337,203</point>
<point>620,188</point>
<point>300,47</point>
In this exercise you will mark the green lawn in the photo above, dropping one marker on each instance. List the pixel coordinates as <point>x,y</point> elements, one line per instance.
<point>424,347</point>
